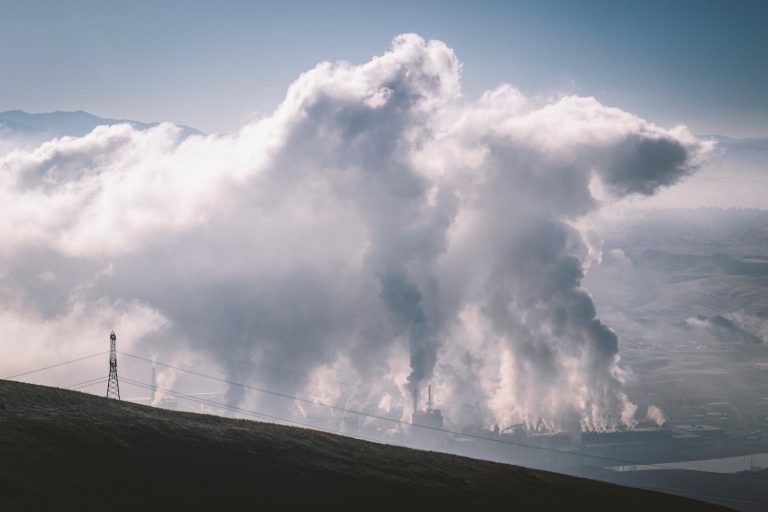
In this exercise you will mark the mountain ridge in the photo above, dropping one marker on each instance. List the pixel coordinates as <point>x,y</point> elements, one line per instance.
<point>68,123</point>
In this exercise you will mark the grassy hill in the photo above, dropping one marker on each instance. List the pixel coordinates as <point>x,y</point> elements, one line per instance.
<point>66,450</point>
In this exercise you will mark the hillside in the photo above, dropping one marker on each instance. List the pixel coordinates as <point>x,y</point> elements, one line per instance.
<point>68,450</point>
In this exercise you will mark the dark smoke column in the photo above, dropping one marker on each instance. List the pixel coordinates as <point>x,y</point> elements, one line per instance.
<point>403,299</point>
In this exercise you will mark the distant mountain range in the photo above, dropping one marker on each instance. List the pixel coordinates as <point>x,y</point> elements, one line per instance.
<point>39,127</point>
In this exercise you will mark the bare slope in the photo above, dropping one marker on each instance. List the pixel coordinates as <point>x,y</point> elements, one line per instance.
<point>67,450</point>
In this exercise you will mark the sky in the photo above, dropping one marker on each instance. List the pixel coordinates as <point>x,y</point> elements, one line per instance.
<point>387,197</point>
<point>217,65</point>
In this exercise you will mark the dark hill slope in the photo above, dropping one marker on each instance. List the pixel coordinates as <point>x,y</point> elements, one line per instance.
<point>63,450</point>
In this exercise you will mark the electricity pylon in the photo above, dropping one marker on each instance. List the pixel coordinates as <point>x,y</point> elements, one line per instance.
<point>113,387</point>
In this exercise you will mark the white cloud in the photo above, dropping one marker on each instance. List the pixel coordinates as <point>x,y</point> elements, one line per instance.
<point>374,213</point>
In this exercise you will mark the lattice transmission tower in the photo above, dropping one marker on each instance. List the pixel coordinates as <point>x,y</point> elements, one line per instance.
<point>113,387</point>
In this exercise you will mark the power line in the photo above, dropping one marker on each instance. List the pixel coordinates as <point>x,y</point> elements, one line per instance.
<point>270,392</point>
<point>623,462</point>
<point>399,421</point>
<point>332,407</point>
<point>99,380</point>
<point>578,454</point>
<point>276,369</point>
<point>89,382</point>
<point>54,365</point>
<point>97,383</point>
<point>206,401</point>
<point>250,412</point>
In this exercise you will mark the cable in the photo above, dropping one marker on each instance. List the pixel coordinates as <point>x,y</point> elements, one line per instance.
<point>93,382</point>
<point>623,462</point>
<point>399,421</point>
<point>71,386</point>
<point>199,400</point>
<point>98,382</point>
<point>276,369</point>
<point>54,365</point>
<point>270,392</point>
<point>242,410</point>
<point>615,461</point>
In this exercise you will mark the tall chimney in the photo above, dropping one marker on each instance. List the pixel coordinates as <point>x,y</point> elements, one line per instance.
<point>153,391</point>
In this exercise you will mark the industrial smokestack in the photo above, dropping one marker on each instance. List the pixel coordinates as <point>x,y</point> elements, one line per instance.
<point>153,380</point>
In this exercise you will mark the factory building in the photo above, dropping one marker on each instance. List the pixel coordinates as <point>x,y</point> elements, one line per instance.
<point>431,418</point>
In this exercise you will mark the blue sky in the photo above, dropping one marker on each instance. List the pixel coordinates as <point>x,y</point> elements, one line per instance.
<point>214,65</point>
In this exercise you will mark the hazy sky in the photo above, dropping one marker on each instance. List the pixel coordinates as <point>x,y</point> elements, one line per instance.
<point>215,65</point>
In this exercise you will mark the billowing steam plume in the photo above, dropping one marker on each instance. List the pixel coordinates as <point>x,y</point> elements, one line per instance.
<point>374,233</point>
<point>656,415</point>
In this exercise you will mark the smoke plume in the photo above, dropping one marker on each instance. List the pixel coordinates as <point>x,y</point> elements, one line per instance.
<point>656,415</point>
<point>375,233</point>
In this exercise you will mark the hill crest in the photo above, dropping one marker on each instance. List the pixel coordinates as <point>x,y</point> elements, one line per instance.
<point>72,450</point>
